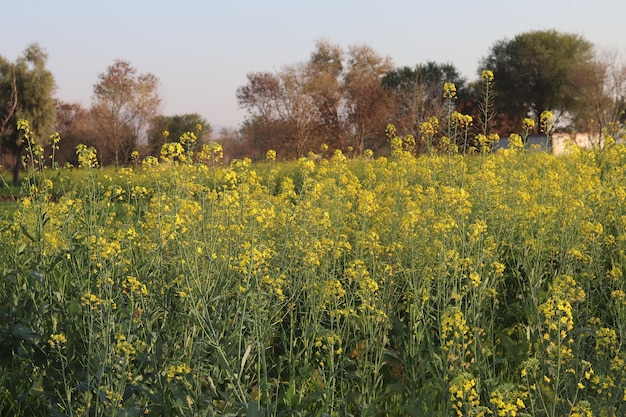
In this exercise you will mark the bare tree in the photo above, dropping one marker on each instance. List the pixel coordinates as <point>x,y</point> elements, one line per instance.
<point>260,96</point>
<point>124,103</point>
<point>610,102</point>
<point>323,73</point>
<point>367,110</point>
<point>284,113</point>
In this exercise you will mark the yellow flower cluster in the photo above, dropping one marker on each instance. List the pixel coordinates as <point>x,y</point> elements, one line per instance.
<point>507,400</point>
<point>123,347</point>
<point>177,372</point>
<point>57,340</point>
<point>449,90</point>
<point>464,396</point>
<point>486,75</point>
<point>132,286</point>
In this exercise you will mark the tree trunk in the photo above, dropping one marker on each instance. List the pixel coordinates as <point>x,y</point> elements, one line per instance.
<point>16,170</point>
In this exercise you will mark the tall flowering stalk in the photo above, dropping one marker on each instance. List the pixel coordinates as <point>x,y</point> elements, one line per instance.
<point>486,104</point>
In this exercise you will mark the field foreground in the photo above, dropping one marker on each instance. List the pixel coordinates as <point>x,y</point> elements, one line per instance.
<point>439,285</point>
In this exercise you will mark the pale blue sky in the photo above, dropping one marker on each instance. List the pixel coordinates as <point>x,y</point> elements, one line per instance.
<point>202,50</point>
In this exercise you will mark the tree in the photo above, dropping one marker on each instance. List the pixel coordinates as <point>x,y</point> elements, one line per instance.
<point>284,114</point>
<point>323,73</point>
<point>299,110</point>
<point>330,97</point>
<point>261,96</point>
<point>605,99</point>
<point>26,89</point>
<point>366,107</point>
<point>537,71</point>
<point>416,93</point>
<point>176,126</point>
<point>124,104</point>
<point>75,126</point>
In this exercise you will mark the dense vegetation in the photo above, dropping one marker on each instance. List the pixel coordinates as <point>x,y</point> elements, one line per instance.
<point>444,278</point>
<point>435,285</point>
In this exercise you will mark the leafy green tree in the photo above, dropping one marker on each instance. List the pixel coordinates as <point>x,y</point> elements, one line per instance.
<point>539,70</point>
<point>26,88</point>
<point>176,126</point>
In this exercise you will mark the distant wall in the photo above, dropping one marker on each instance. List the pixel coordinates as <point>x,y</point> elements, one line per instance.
<point>584,140</point>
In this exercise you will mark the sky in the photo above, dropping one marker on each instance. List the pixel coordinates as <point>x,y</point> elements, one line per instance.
<point>201,51</point>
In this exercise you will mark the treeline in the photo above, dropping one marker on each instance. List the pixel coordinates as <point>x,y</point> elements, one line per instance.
<point>346,99</point>
<point>342,98</point>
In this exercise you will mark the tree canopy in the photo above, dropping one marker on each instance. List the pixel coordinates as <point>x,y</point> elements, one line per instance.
<point>176,126</point>
<point>26,88</point>
<point>539,70</point>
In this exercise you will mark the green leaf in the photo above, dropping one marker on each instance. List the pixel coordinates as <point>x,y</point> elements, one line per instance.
<point>255,410</point>
<point>23,332</point>
<point>37,387</point>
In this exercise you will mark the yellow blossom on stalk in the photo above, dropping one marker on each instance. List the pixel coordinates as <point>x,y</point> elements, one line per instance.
<point>463,394</point>
<point>123,347</point>
<point>546,121</point>
<point>486,75</point>
<point>390,131</point>
<point>188,139</point>
<point>528,124</point>
<point>475,279</point>
<point>172,150</point>
<point>508,400</point>
<point>463,120</point>
<point>177,372</point>
<point>57,340</point>
<point>131,285</point>
<point>606,341</point>
<point>150,161</point>
<point>449,90</point>
<point>211,152</point>
<point>270,155</point>
<point>515,141</point>
<point>90,300</point>
<point>112,397</point>
<point>476,230</point>
<point>24,126</point>
<point>582,409</point>
<point>55,138</point>
<point>86,156</point>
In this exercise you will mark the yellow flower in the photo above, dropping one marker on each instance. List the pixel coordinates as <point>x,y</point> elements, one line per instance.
<point>57,340</point>
<point>515,141</point>
<point>486,75</point>
<point>449,90</point>
<point>528,124</point>
<point>546,121</point>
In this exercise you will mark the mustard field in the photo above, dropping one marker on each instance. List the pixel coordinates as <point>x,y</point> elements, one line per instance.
<point>438,285</point>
